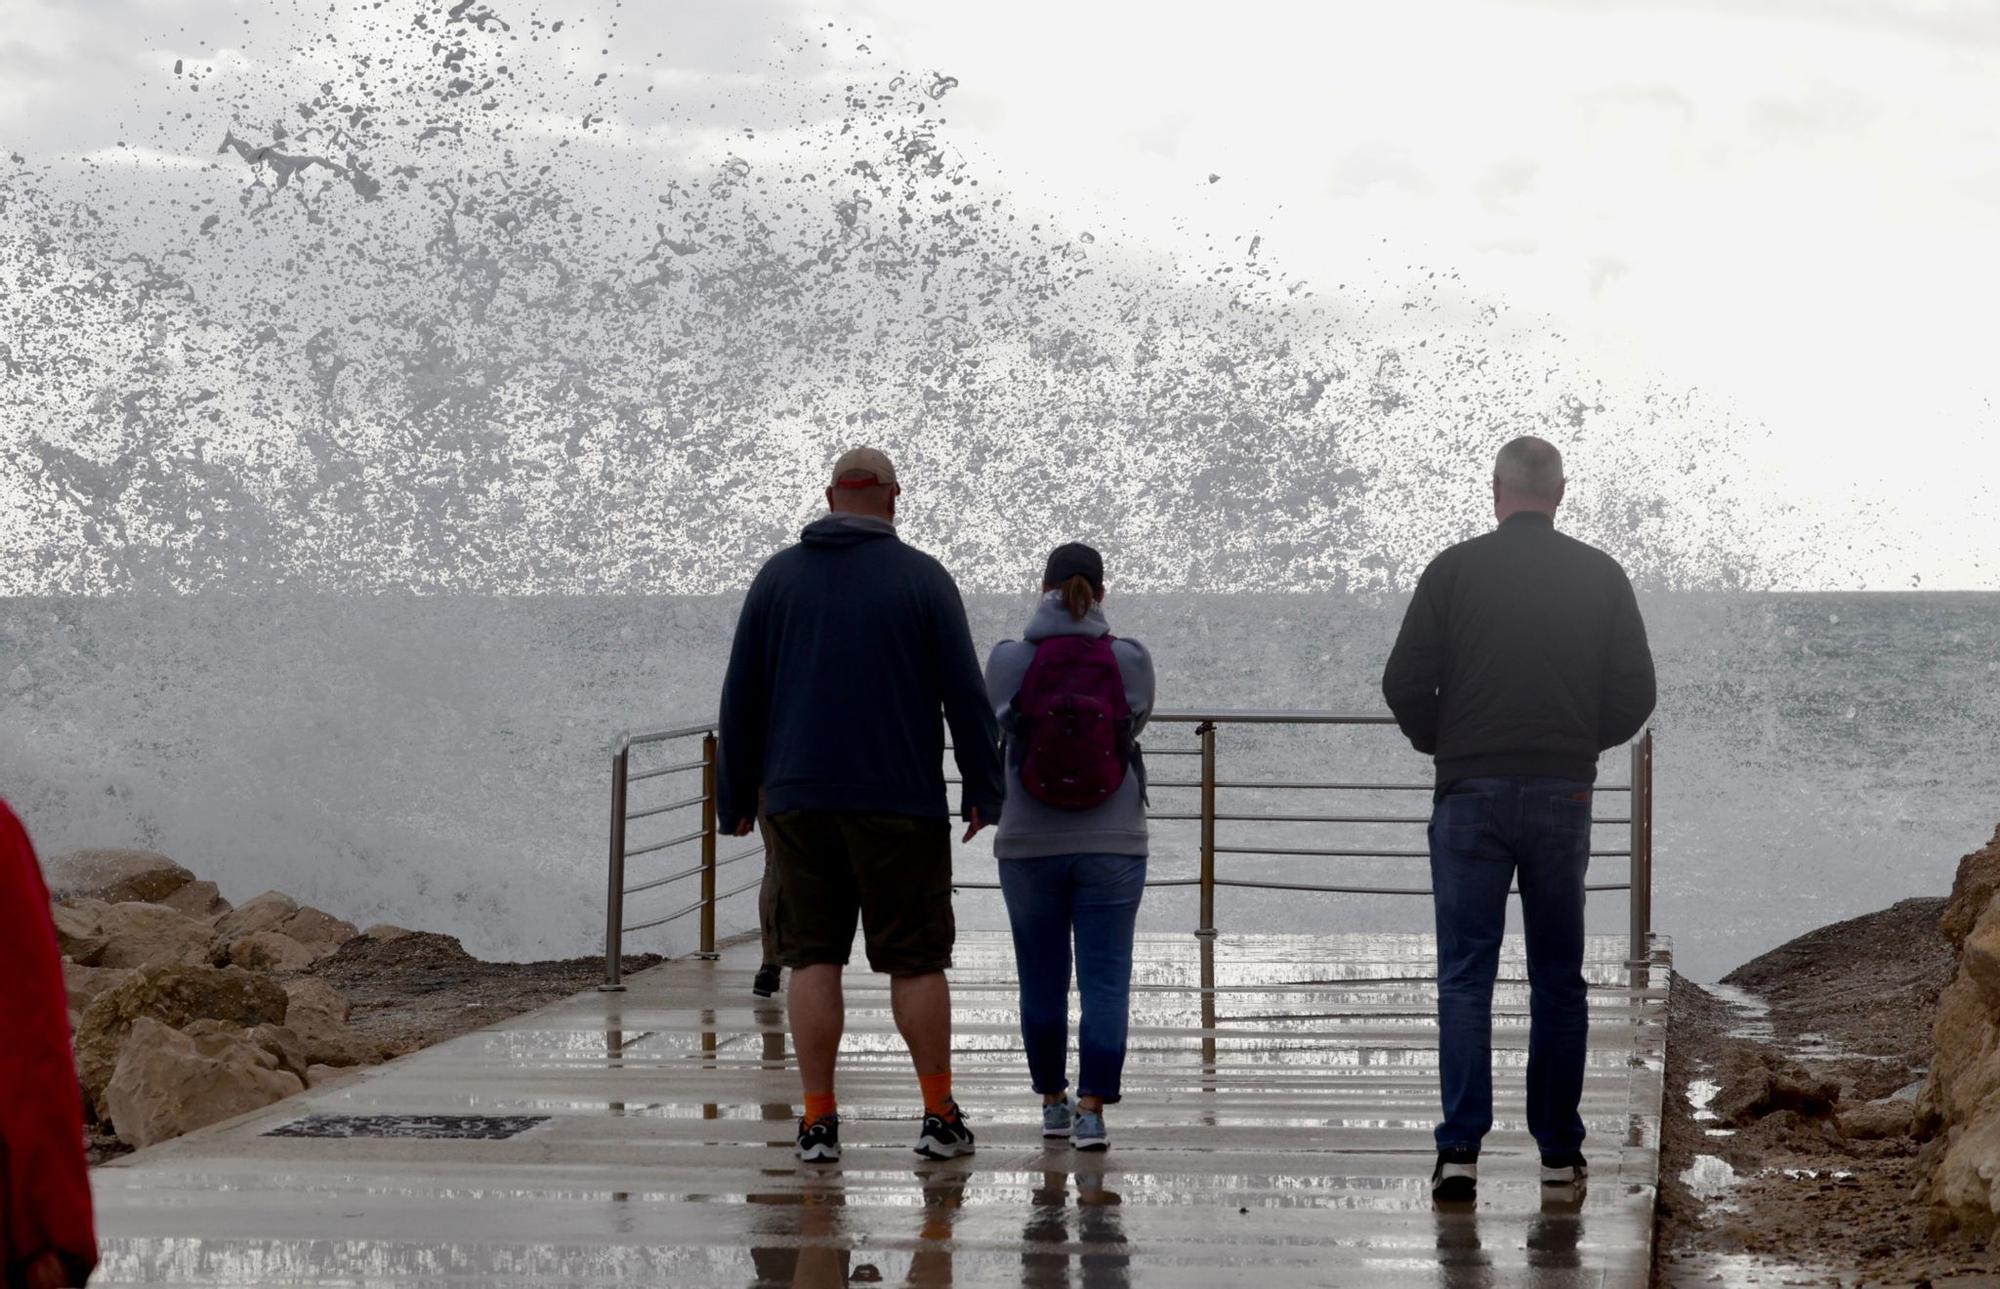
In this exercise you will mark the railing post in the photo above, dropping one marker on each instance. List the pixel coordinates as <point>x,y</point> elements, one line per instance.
<point>614,895</point>
<point>1207,733</point>
<point>1641,798</point>
<point>708,813</point>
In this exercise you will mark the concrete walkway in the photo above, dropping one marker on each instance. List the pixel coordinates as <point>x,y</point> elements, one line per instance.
<point>1275,1132</point>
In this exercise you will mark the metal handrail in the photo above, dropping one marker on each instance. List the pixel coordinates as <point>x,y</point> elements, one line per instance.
<point>1639,820</point>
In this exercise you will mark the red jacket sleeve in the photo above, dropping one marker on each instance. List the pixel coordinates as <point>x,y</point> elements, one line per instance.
<point>44,1184</point>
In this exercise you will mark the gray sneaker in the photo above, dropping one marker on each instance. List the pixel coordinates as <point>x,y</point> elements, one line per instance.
<point>1089,1133</point>
<point>1059,1118</point>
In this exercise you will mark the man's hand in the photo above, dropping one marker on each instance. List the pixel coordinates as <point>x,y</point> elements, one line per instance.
<point>743,828</point>
<point>974,824</point>
<point>47,1272</point>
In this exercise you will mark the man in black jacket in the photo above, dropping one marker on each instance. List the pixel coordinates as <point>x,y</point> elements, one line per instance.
<point>1522,656</point>
<point>849,645</point>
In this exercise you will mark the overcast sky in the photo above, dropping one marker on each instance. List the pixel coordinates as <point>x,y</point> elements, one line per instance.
<point>1790,206</point>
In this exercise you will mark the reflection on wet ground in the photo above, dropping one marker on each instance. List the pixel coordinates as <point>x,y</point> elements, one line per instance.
<point>1276,1130</point>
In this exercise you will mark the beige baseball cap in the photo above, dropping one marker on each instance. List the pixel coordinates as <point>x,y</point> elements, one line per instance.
<point>876,466</point>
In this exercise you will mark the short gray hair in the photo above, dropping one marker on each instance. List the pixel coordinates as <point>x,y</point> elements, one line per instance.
<point>1532,466</point>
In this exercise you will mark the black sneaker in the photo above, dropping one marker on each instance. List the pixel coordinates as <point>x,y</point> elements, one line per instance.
<point>1564,1170</point>
<point>819,1141</point>
<point>766,982</point>
<point>945,1137</point>
<point>1456,1177</point>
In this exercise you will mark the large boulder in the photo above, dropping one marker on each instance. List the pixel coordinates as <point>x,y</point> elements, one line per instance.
<point>268,912</point>
<point>285,1047</point>
<point>84,984</point>
<point>1972,890</point>
<point>268,951</point>
<point>1960,1104</point>
<point>150,935</point>
<point>317,1013</point>
<point>1979,957</point>
<point>114,876</point>
<point>1878,1120</point>
<point>80,930</point>
<point>1757,1082</point>
<point>167,1083</point>
<point>174,996</point>
<point>311,934</point>
<point>319,931</point>
<point>281,1048</point>
<point>198,900</point>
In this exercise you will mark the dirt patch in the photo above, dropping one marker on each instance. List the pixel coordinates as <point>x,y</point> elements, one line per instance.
<point>1867,987</point>
<point>422,988</point>
<point>1851,1006</point>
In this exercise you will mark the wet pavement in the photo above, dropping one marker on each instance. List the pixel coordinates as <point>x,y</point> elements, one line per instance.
<point>1275,1131</point>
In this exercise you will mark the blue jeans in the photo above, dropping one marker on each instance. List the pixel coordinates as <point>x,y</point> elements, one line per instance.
<point>1096,898</point>
<point>1484,833</point>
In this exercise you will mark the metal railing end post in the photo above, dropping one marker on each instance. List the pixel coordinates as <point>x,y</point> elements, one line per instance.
<point>1206,731</point>
<point>709,815</point>
<point>1641,848</point>
<point>614,896</point>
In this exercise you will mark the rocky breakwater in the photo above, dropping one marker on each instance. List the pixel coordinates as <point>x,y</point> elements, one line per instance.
<point>1959,1108</point>
<point>187,1010</point>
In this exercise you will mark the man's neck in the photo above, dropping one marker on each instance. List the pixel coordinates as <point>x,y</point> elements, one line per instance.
<point>880,523</point>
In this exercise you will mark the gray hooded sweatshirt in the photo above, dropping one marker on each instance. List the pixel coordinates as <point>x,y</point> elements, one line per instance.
<point>1029,828</point>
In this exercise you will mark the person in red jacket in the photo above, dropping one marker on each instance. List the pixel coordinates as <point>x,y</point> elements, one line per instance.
<point>46,1236</point>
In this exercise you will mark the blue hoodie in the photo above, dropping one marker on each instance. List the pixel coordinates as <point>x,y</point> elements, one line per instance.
<point>848,646</point>
<point>1032,829</point>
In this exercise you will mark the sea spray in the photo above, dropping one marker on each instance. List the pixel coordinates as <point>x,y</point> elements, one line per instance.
<point>455,298</point>
<point>391,308</point>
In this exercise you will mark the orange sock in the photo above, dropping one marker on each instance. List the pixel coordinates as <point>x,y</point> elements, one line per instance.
<point>819,1105</point>
<point>937,1092</point>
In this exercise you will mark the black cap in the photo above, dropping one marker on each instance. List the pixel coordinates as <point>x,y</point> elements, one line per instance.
<point>1075,560</point>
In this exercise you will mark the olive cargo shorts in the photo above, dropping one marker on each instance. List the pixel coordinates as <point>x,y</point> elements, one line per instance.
<point>890,873</point>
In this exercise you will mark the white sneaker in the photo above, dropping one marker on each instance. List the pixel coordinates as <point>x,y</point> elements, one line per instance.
<point>1456,1177</point>
<point>1565,1170</point>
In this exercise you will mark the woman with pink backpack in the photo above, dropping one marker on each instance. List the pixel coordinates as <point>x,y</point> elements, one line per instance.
<point>1072,699</point>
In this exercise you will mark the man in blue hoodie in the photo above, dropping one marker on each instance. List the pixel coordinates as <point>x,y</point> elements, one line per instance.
<point>849,646</point>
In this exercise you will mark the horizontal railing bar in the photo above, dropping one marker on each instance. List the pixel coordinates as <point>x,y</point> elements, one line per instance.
<point>1250,884</point>
<point>1150,882</point>
<point>686,873</point>
<point>1249,717</point>
<point>696,835</point>
<point>682,768</point>
<point>665,810</point>
<point>1261,717</point>
<point>675,916</point>
<point>1283,785</point>
<point>668,880</point>
<point>1319,819</point>
<point>661,736</point>
<point>1279,784</point>
<point>695,907</point>
<point>1367,854</point>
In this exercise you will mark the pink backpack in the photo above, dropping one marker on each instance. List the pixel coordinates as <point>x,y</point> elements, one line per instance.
<point>1072,723</point>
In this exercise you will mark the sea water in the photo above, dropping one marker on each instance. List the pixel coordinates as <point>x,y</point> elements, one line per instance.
<point>443,762</point>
